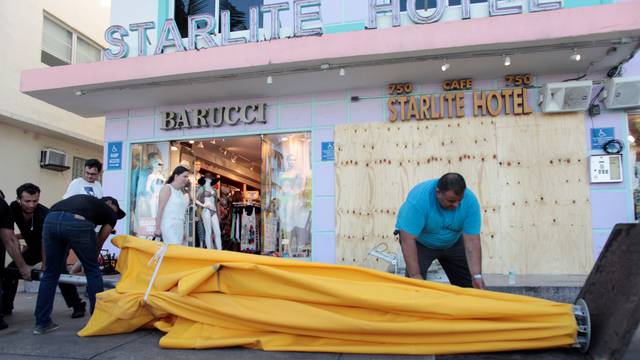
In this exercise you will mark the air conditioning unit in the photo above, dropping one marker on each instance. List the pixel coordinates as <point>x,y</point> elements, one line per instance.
<point>566,96</point>
<point>53,160</point>
<point>622,93</point>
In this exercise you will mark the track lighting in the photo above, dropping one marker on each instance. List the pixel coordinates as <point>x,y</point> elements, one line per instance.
<point>576,56</point>
<point>269,80</point>
<point>507,60</point>
<point>445,66</point>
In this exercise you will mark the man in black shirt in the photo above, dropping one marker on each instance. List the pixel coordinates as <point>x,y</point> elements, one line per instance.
<point>12,246</point>
<point>28,214</point>
<point>71,224</point>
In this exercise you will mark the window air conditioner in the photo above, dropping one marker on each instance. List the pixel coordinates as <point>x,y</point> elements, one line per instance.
<point>53,160</point>
<point>566,96</point>
<point>622,93</point>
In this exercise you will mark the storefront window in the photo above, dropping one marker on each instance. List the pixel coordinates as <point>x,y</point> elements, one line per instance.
<point>420,4</point>
<point>634,155</point>
<point>239,12</point>
<point>286,194</point>
<point>149,171</point>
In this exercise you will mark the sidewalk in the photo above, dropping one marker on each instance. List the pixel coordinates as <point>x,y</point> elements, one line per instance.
<point>17,342</point>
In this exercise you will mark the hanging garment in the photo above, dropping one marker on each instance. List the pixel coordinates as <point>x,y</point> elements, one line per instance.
<point>239,212</point>
<point>215,299</point>
<point>270,233</point>
<point>248,235</point>
<point>232,236</point>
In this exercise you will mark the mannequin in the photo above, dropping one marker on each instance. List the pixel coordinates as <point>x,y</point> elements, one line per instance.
<point>209,212</point>
<point>154,183</point>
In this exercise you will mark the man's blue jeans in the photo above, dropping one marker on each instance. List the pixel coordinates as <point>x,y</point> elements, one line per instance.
<point>61,231</point>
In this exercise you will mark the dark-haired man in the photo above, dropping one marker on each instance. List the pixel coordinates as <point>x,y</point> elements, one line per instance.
<point>28,214</point>
<point>70,224</point>
<point>88,184</point>
<point>12,246</point>
<point>441,220</point>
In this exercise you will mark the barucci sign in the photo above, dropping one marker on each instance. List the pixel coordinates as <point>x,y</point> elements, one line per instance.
<point>203,26</point>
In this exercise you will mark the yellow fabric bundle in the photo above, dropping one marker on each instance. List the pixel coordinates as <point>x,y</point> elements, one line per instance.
<point>212,299</point>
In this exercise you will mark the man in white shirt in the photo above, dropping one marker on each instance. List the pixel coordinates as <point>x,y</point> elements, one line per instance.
<point>88,184</point>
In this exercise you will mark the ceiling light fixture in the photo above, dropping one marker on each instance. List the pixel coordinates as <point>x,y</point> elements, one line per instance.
<point>80,92</point>
<point>191,141</point>
<point>324,66</point>
<point>576,56</point>
<point>342,72</point>
<point>507,60</point>
<point>445,66</point>
<point>174,148</point>
<point>201,145</point>
<point>269,80</point>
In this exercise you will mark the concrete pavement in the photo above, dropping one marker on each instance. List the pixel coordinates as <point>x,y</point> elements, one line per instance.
<point>17,342</point>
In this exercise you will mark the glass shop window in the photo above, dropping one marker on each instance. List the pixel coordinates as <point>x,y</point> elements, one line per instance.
<point>432,3</point>
<point>634,160</point>
<point>239,10</point>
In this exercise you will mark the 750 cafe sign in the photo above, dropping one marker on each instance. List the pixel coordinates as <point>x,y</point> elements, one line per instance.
<point>213,116</point>
<point>512,100</point>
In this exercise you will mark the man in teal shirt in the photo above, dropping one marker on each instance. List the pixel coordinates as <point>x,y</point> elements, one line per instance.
<point>441,220</point>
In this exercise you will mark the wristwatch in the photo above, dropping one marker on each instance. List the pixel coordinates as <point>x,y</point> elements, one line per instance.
<point>477,276</point>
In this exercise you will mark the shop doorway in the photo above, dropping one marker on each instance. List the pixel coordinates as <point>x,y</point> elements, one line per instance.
<point>250,193</point>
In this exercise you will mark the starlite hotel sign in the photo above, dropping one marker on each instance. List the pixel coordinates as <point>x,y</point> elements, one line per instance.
<point>306,18</point>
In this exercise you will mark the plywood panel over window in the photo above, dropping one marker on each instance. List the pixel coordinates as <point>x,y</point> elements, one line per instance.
<point>529,173</point>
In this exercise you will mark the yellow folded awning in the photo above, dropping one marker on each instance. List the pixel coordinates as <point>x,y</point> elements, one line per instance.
<point>212,299</point>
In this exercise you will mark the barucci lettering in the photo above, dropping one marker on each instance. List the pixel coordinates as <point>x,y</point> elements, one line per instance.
<point>213,117</point>
<point>307,20</point>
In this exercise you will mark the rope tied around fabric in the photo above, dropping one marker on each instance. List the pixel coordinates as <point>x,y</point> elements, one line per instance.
<point>157,259</point>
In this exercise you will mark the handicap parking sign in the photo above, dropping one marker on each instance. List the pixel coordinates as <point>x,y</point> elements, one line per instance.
<point>114,155</point>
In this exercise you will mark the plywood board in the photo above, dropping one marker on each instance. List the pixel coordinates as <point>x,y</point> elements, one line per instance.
<point>529,174</point>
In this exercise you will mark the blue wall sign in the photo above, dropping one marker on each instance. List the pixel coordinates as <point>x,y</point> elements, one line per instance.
<point>599,136</point>
<point>327,151</point>
<point>114,155</point>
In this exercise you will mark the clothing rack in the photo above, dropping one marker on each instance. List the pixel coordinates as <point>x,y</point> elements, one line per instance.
<point>250,203</point>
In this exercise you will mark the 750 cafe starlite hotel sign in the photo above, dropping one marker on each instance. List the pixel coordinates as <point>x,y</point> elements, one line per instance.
<point>307,20</point>
<point>512,100</point>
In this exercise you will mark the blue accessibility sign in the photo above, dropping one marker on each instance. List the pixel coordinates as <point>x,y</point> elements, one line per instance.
<point>114,155</point>
<point>600,136</point>
<point>328,153</point>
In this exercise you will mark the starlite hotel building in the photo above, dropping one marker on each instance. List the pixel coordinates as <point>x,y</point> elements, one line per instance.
<point>318,116</point>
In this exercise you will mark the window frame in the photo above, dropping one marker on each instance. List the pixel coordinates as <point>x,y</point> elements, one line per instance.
<point>75,34</point>
<point>172,11</point>
<point>77,169</point>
